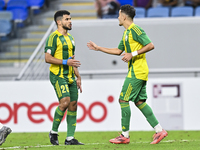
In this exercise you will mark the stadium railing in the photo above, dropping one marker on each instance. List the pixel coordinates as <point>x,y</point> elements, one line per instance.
<point>92,73</point>
<point>35,68</point>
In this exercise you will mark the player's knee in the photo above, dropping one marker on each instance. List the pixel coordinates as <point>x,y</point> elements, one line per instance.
<point>64,103</point>
<point>139,102</point>
<point>122,101</point>
<point>73,106</point>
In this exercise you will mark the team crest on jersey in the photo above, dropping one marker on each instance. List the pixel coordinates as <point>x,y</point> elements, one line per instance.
<point>64,43</point>
<point>126,38</point>
<point>73,42</point>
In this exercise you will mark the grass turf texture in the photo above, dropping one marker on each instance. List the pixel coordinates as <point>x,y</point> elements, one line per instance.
<point>139,140</point>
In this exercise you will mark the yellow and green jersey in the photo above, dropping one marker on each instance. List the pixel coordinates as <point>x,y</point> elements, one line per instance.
<point>61,47</point>
<point>134,38</point>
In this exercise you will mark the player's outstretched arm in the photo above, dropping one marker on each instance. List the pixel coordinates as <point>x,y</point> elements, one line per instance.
<point>70,62</point>
<point>113,51</point>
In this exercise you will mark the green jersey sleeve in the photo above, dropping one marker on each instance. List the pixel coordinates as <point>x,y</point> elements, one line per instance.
<point>121,45</point>
<point>140,36</point>
<point>51,44</point>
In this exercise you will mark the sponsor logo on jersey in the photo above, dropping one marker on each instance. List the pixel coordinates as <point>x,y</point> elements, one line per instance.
<point>73,42</point>
<point>64,43</point>
<point>126,38</point>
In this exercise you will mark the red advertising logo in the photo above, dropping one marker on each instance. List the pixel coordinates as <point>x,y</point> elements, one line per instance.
<point>13,112</point>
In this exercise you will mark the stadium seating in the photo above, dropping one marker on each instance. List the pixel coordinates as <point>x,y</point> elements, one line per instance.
<point>6,15</point>
<point>158,12</point>
<point>35,6</point>
<point>140,12</point>
<point>5,23</point>
<point>2,4</point>
<point>124,2</point>
<point>184,11</point>
<point>5,27</point>
<point>19,8</point>
<point>197,11</point>
<point>36,3</point>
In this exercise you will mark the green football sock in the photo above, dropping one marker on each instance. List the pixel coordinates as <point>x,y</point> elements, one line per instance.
<point>71,123</point>
<point>126,115</point>
<point>148,113</point>
<point>57,119</point>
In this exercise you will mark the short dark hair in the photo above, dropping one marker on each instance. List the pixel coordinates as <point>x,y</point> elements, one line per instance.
<point>60,13</point>
<point>128,10</point>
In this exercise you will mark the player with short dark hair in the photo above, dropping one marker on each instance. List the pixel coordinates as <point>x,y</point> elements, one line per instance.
<point>135,43</point>
<point>128,10</point>
<point>59,52</point>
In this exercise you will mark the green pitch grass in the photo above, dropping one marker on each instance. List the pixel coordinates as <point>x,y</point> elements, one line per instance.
<point>176,140</point>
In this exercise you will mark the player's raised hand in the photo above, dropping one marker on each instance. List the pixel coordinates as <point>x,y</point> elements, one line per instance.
<point>92,45</point>
<point>72,62</point>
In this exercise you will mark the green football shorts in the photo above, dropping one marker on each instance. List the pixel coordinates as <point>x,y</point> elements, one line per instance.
<point>63,88</point>
<point>133,90</point>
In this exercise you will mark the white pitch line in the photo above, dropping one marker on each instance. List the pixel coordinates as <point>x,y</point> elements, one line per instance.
<point>17,147</point>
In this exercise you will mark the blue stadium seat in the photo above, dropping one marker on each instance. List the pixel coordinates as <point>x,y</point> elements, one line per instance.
<point>19,8</point>
<point>197,11</point>
<point>6,24</point>
<point>158,12</point>
<point>35,6</point>
<point>184,11</point>
<point>20,3</point>
<point>5,27</point>
<point>124,2</point>
<point>36,3</point>
<point>2,4</point>
<point>140,12</point>
<point>7,15</point>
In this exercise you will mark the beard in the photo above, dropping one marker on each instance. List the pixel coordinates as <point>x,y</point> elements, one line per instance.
<point>120,24</point>
<point>66,28</point>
